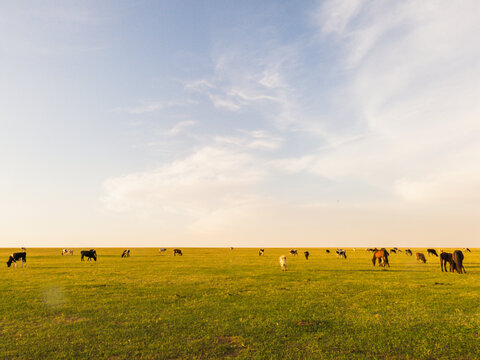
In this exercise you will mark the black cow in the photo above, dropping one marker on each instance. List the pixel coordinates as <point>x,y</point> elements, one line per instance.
<point>393,251</point>
<point>90,254</point>
<point>126,253</point>
<point>408,252</point>
<point>327,251</point>
<point>468,250</point>
<point>293,252</point>
<point>432,252</point>
<point>22,256</point>
<point>177,252</point>
<point>307,254</point>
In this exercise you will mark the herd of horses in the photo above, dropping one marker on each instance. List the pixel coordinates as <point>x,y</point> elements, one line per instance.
<point>454,260</point>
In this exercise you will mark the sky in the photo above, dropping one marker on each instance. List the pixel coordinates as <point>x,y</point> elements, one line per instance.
<point>239,123</point>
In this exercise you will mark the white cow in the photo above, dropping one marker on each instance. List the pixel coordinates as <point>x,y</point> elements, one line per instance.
<point>283,262</point>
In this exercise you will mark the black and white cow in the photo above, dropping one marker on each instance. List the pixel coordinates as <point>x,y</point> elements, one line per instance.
<point>341,253</point>
<point>162,250</point>
<point>90,254</point>
<point>261,252</point>
<point>20,256</point>
<point>177,252</point>
<point>294,252</point>
<point>408,252</point>
<point>67,252</point>
<point>126,253</point>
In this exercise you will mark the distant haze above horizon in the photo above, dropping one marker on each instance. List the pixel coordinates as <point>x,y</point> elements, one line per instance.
<point>253,124</point>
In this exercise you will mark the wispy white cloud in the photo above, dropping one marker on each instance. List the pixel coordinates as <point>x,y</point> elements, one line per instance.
<point>202,182</point>
<point>147,106</point>
<point>180,127</point>
<point>412,81</point>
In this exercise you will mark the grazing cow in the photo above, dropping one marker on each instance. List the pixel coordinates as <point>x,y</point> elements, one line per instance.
<point>162,250</point>
<point>458,259</point>
<point>393,251</point>
<point>283,262</point>
<point>293,252</point>
<point>177,252</point>
<point>90,254</point>
<point>444,258</point>
<point>466,249</point>
<point>67,252</point>
<point>371,250</point>
<point>327,251</point>
<point>382,256</point>
<point>126,253</point>
<point>408,252</point>
<point>307,254</point>
<point>24,249</point>
<point>261,252</point>
<point>421,257</point>
<point>231,247</point>
<point>13,258</point>
<point>432,252</point>
<point>341,253</point>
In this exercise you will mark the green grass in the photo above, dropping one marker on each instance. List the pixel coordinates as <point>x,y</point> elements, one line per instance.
<point>218,303</point>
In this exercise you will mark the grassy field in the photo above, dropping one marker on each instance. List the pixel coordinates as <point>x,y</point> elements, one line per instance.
<point>218,303</point>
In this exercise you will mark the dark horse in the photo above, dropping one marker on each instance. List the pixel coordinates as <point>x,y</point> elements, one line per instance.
<point>431,252</point>
<point>458,259</point>
<point>444,258</point>
<point>382,256</point>
<point>90,254</point>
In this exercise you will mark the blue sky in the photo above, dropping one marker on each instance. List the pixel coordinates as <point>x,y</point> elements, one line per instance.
<point>320,123</point>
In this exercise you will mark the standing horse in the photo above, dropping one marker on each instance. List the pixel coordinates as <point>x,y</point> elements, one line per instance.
<point>382,256</point>
<point>444,258</point>
<point>458,259</point>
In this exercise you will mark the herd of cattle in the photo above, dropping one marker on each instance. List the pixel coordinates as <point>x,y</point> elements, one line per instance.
<point>454,260</point>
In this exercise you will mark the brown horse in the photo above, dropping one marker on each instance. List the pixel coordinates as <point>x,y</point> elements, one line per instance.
<point>444,258</point>
<point>382,256</point>
<point>458,259</point>
<point>421,257</point>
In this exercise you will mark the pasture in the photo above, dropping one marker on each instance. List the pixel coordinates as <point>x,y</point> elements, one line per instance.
<point>222,303</point>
